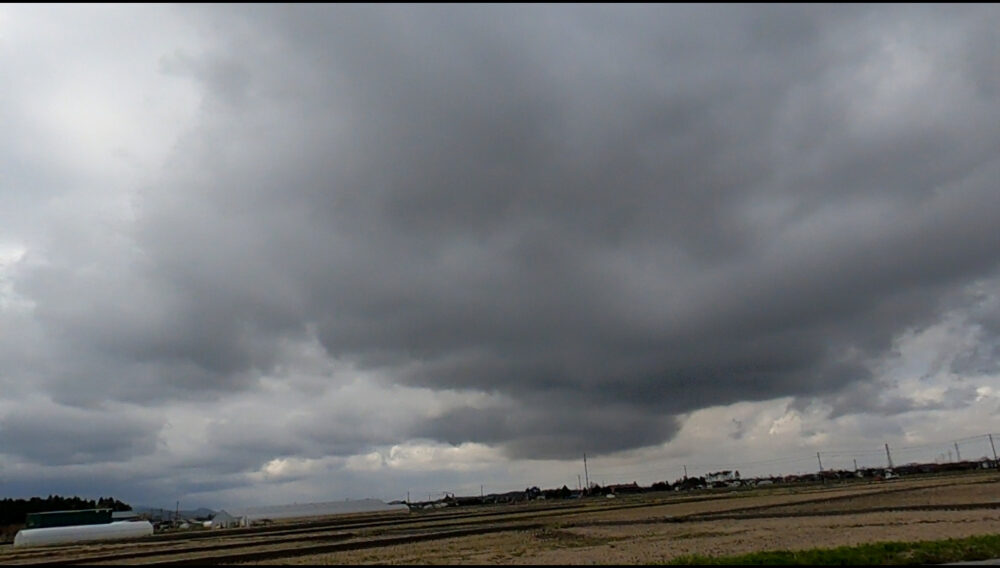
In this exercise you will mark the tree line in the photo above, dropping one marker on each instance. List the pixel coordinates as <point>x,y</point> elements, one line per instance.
<point>15,511</point>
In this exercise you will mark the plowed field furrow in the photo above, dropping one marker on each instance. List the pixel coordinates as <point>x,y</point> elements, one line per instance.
<point>531,526</point>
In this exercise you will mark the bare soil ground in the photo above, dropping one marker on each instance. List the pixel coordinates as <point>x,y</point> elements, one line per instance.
<point>824,517</point>
<point>637,529</point>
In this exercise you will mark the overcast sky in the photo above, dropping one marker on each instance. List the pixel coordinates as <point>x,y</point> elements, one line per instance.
<point>256,254</point>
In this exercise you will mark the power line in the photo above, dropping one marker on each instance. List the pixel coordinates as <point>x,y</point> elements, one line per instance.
<point>842,459</point>
<point>852,452</point>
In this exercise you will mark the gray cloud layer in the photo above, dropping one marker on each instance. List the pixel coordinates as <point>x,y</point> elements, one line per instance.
<point>612,216</point>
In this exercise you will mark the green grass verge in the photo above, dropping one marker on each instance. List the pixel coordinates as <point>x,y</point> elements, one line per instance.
<point>925,552</point>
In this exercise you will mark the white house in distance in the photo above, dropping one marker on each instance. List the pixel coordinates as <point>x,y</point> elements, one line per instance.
<point>223,520</point>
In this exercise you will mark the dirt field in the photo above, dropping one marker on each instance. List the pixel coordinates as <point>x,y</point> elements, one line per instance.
<point>638,529</point>
<point>825,517</point>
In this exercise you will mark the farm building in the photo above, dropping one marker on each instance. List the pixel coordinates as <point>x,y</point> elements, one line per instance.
<point>223,520</point>
<point>68,518</point>
<point>81,533</point>
<point>722,476</point>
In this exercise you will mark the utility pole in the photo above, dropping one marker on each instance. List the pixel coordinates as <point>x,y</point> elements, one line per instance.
<point>407,497</point>
<point>820,462</point>
<point>685,472</point>
<point>586,475</point>
<point>888,456</point>
<point>177,513</point>
<point>482,496</point>
<point>855,464</point>
<point>994,450</point>
<point>958,454</point>
<point>579,484</point>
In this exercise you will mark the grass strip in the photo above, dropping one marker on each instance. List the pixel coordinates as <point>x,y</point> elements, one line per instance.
<point>921,552</point>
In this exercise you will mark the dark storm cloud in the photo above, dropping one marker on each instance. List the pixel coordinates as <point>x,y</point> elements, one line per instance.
<point>979,359</point>
<point>868,398</point>
<point>624,214</point>
<point>62,435</point>
<point>981,305</point>
<point>554,427</point>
